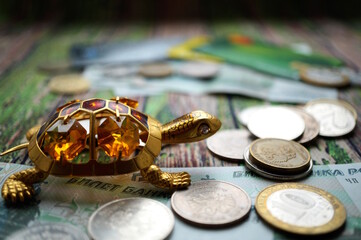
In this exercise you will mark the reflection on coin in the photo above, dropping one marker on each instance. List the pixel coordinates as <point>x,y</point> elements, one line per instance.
<point>69,84</point>
<point>199,69</point>
<point>229,143</point>
<point>276,122</point>
<point>131,218</point>
<point>300,209</point>
<point>32,131</point>
<point>211,203</point>
<point>324,77</point>
<point>312,127</point>
<point>279,156</point>
<point>155,70</point>
<point>49,231</point>
<point>336,117</point>
<point>55,67</point>
<point>246,113</point>
<point>274,176</point>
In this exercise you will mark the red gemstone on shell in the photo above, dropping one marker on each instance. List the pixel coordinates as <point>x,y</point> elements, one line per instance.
<point>70,109</point>
<point>94,104</point>
<point>121,108</point>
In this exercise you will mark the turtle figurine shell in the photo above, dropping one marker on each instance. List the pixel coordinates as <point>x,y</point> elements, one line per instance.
<point>98,137</point>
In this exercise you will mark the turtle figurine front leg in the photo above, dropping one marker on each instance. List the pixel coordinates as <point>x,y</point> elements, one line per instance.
<point>194,126</point>
<point>161,179</point>
<point>19,186</point>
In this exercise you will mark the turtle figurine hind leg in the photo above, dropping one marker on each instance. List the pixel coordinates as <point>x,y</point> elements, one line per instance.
<point>19,186</point>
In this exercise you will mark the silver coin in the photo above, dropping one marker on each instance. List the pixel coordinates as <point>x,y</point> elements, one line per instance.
<point>229,143</point>
<point>276,122</point>
<point>131,218</point>
<point>335,117</point>
<point>274,176</point>
<point>246,113</point>
<point>198,69</point>
<point>211,203</point>
<point>312,127</point>
<point>57,231</point>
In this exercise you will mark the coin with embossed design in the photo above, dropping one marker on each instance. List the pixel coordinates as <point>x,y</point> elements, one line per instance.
<point>279,156</point>
<point>300,209</point>
<point>211,203</point>
<point>69,84</point>
<point>312,127</point>
<point>229,144</point>
<point>336,117</point>
<point>326,77</point>
<point>244,115</point>
<point>131,218</point>
<point>155,70</point>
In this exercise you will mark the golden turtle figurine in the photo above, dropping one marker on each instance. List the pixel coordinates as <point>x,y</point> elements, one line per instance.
<point>98,137</point>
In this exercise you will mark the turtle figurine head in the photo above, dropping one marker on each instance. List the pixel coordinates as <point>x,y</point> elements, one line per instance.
<point>98,137</point>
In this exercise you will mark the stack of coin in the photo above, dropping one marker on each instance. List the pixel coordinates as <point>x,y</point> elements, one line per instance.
<point>278,159</point>
<point>300,209</point>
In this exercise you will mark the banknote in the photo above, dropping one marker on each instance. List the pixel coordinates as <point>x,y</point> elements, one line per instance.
<point>123,52</point>
<point>72,200</point>
<point>231,80</point>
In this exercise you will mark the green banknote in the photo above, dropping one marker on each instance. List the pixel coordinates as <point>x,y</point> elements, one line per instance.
<point>72,200</point>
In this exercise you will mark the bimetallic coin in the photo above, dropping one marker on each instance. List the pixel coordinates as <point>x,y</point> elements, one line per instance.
<point>279,156</point>
<point>69,84</point>
<point>336,117</point>
<point>324,77</point>
<point>32,131</point>
<point>229,144</point>
<point>276,122</point>
<point>274,176</point>
<point>131,218</point>
<point>199,69</point>
<point>246,113</point>
<point>211,203</point>
<point>312,127</point>
<point>155,70</point>
<point>49,231</point>
<point>300,209</point>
